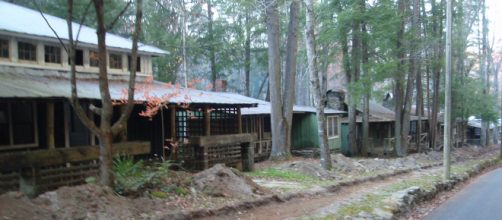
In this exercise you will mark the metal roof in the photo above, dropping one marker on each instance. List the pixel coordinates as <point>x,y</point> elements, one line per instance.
<point>18,19</point>
<point>379,113</point>
<point>264,107</point>
<point>17,82</point>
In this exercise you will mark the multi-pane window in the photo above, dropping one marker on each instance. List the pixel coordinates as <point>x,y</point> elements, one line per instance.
<point>4,48</point>
<point>17,124</point>
<point>332,123</point>
<point>52,54</point>
<point>115,61</point>
<point>93,58</point>
<point>138,63</point>
<point>79,58</point>
<point>26,51</point>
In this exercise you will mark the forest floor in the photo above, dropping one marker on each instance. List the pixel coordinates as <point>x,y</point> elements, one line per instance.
<point>293,189</point>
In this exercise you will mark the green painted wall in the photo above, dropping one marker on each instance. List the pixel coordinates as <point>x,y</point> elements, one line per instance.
<point>304,133</point>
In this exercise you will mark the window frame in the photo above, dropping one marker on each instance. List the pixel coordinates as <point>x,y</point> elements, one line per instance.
<point>138,65</point>
<point>11,144</point>
<point>333,121</point>
<point>8,49</point>
<point>91,60</point>
<point>19,51</point>
<point>112,61</point>
<point>58,56</point>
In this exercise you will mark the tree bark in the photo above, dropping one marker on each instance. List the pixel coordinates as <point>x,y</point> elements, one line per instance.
<point>399,86</point>
<point>416,70</point>
<point>315,85</point>
<point>484,71</point>
<point>447,115</point>
<point>288,86</point>
<point>105,132</point>
<point>342,34</point>
<point>355,72</point>
<point>367,90</point>
<point>279,148</point>
<point>212,59</point>
<point>247,53</point>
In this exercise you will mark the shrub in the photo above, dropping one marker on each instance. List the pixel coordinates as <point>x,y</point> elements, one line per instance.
<point>130,176</point>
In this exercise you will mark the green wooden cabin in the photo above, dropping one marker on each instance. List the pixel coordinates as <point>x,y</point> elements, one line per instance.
<point>304,133</point>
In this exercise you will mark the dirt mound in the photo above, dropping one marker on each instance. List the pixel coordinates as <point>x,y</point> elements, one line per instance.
<point>346,164</point>
<point>15,205</point>
<point>308,168</point>
<point>222,181</point>
<point>88,201</point>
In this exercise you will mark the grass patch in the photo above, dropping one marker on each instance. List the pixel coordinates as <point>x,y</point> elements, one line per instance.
<point>367,204</point>
<point>375,200</point>
<point>274,173</point>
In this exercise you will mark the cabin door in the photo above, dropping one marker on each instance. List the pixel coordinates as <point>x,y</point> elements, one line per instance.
<point>78,134</point>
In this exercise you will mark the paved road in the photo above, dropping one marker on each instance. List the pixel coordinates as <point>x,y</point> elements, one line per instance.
<point>481,199</point>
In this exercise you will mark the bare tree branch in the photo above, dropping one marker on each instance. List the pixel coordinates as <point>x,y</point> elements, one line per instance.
<point>110,27</point>
<point>79,111</point>
<point>121,123</point>
<point>84,16</point>
<point>50,26</point>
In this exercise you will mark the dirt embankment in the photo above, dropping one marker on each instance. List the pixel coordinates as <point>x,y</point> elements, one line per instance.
<point>214,188</point>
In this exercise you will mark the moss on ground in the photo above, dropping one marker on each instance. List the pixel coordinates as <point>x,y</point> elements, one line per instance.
<point>375,200</point>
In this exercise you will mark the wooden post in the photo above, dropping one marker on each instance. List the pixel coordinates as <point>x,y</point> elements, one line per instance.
<point>29,179</point>
<point>207,121</point>
<point>51,144</point>
<point>239,120</point>
<point>247,154</point>
<point>172,132</point>
<point>201,157</point>
<point>123,134</point>
<point>172,121</point>
<point>66,117</point>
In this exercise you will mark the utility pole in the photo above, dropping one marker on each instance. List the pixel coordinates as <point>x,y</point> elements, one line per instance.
<point>447,113</point>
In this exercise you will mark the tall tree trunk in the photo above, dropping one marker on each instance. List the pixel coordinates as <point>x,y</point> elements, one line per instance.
<point>212,59</point>
<point>342,34</point>
<point>106,135</point>
<point>288,86</point>
<point>247,53</point>
<point>484,71</point>
<point>184,76</point>
<point>415,69</point>
<point>437,30</point>
<point>279,121</point>
<point>447,115</point>
<point>355,72</point>
<point>399,85</point>
<point>315,85</point>
<point>106,130</point>
<point>367,90</point>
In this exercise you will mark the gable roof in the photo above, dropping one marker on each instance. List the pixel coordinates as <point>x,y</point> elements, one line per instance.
<point>20,20</point>
<point>264,107</point>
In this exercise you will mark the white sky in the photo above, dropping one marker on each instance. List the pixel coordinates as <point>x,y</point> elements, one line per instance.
<point>494,15</point>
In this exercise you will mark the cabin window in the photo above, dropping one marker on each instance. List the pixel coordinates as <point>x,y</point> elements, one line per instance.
<point>138,63</point>
<point>4,48</point>
<point>26,51</point>
<point>52,54</point>
<point>115,61</point>
<point>79,58</point>
<point>332,126</point>
<point>93,58</point>
<point>17,125</point>
<point>413,127</point>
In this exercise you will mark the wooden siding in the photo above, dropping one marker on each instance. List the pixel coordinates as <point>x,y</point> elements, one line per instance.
<point>304,133</point>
